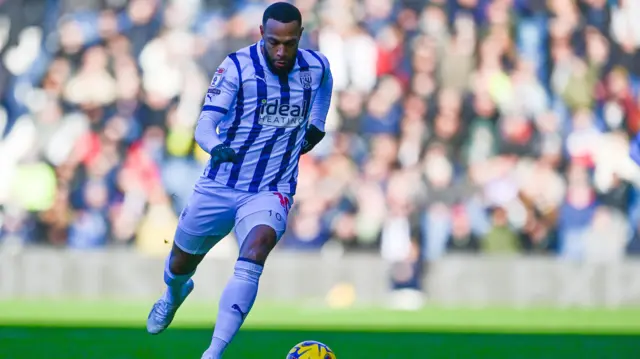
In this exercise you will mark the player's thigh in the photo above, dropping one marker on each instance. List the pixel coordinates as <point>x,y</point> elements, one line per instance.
<point>264,208</point>
<point>207,218</point>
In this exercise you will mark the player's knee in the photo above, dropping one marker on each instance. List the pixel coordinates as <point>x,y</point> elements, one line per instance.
<point>258,244</point>
<point>181,262</point>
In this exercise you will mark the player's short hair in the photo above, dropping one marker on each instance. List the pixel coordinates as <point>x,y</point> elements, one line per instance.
<point>282,12</point>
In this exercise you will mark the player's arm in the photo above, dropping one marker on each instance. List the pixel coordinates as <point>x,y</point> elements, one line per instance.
<point>220,95</point>
<point>634,148</point>
<point>319,110</point>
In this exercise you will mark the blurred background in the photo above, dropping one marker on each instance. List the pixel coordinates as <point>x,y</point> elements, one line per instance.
<point>477,155</point>
<point>466,129</point>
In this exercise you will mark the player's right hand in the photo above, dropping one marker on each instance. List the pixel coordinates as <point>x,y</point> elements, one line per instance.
<point>222,153</point>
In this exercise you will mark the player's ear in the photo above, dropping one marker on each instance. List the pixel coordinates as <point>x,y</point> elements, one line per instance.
<point>301,30</point>
<point>261,30</point>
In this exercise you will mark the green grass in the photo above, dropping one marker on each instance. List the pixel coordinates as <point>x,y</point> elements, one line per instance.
<point>115,330</point>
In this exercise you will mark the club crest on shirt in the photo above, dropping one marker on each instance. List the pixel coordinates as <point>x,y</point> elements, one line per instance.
<point>305,79</point>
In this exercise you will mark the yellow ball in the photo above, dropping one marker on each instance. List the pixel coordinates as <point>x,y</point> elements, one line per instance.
<point>311,350</point>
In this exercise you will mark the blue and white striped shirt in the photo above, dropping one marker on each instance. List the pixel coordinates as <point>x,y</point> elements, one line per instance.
<point>266,116</point>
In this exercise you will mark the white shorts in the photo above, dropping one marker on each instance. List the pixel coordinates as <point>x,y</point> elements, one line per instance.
<point>214,210</point>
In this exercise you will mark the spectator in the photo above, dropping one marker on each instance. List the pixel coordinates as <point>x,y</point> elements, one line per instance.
<point>464,126</point>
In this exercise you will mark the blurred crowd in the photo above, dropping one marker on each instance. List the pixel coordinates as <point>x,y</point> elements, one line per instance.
<point>475,126</point>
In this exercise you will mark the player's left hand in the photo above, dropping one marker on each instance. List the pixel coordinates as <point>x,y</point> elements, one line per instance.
<point>311,138</point>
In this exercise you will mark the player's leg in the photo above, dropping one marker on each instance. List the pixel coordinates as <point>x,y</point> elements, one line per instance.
<point>261,222</point>
<point>179,268</point>
<point>203,223</point>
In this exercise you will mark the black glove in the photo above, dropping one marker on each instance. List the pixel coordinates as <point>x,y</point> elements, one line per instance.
<point>222,153</point>
<point>311,138</point>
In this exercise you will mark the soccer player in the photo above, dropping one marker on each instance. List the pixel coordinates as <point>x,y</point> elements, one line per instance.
<point>266,106</point>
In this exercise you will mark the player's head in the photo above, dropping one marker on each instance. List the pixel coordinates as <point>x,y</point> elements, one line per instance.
<point>281,30</point>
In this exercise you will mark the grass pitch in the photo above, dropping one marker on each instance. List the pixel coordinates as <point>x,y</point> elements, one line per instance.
<point>116,330</point>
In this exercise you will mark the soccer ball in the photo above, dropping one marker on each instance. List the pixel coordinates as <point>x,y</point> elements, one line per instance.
<point>311,350</point>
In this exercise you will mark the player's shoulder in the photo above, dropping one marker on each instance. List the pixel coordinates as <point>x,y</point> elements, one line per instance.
<point>244,54</point>
<point>236,62</point>
<point>316,55</point>
<point>317,61</point>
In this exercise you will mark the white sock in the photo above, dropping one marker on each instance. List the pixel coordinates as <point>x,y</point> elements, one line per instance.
<point>174,282</point>
<point>236,302</point>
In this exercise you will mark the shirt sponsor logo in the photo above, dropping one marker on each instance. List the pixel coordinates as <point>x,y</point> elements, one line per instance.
<point>278,114</point>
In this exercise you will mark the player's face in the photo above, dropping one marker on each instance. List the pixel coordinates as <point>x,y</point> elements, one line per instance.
<point>281,44</point>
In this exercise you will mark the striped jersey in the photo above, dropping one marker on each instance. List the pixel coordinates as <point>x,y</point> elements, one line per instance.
<point>265,117</point>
